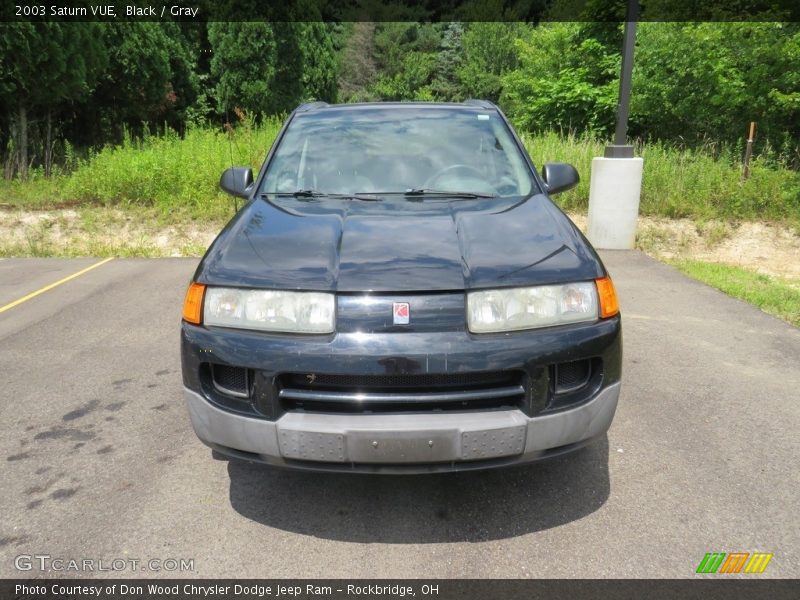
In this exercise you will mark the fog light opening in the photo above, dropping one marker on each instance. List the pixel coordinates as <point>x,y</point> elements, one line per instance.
<point>231,381</point>
<point>571,376</point>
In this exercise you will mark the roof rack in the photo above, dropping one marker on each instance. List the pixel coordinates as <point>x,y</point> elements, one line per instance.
<point>478,103</point>
<point>311,106</point>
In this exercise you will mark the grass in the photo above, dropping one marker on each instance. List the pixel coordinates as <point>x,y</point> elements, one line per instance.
<point>104,231</point>
<point>774,296</point>
<point>652,239</point>
<point>714,232</point>
<point>178,177</point>
<point>682,182</point>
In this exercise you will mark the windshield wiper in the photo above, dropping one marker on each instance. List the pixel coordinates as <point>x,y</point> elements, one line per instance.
<point>452,194</point>
<point>308,194</point>
<point>375,196</point>
<point>419,192</point>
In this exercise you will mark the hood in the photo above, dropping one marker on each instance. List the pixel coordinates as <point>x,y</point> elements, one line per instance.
<point>398,245</point>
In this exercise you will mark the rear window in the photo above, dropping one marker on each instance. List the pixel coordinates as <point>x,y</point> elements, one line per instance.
<point>394,149</point>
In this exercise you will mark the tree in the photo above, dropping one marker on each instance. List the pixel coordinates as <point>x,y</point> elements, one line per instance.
<point>489,53</point>
<point>44,66</point>
<point>406,55</point>
<point>562,81</point>
<point>699,81</point>
<point>318,62</point>
<point>446,84</point>
<point>146,61</point>
<point>269,68</point>
<point>185,52</point>
<point>357,67</point>
<point>243,63</point>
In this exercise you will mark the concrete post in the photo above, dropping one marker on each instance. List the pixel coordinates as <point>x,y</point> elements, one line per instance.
<point>616,179</point>
<point>614,192</point>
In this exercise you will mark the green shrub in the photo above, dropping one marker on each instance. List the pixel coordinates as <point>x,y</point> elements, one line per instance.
<point>180,175</point>
<point>681,182</point>
<point>170,172</point>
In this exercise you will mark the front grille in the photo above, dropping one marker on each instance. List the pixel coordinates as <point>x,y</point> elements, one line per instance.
<point>232,381</point>
<point>402,381</point>
<point>401,392</point>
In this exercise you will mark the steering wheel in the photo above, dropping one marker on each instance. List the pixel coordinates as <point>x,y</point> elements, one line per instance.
<point>452,169</point>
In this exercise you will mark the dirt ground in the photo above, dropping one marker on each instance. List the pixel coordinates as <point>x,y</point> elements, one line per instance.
<point>100,232</point>
<point>763,247</point>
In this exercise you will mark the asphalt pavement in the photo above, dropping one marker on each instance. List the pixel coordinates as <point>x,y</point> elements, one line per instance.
<point>100,461</point>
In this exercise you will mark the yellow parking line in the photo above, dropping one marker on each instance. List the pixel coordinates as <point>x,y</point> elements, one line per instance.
<point>52,285</point>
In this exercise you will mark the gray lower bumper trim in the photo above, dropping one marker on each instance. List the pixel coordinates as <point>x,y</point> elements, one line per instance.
<point>402,438</point>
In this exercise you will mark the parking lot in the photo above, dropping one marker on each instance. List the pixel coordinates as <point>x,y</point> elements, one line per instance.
<point>100,461</point>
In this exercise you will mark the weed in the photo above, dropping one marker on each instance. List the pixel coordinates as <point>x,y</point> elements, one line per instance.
<point>175,179</point>
<point>678,183</point>
<point>713,232</point>
<point>653,239</point>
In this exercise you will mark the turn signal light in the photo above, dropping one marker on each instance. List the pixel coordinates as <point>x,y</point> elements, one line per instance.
<point>193,304</point>
<point>609,305</point>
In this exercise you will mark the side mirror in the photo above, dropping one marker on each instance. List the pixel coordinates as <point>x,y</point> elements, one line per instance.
<point>559,177</point>
<point>237,181</point>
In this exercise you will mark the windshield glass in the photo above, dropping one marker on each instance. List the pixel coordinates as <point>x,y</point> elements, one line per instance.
<point>394,149</point>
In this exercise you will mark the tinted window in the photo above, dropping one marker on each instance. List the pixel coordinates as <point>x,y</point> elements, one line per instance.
<point>393,149</point>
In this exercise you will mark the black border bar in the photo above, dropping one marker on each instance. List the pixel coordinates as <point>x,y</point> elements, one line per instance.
<point>397,10</point>
<point>702,588</point>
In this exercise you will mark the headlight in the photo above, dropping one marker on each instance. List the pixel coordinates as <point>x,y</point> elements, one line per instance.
<point>527,308</point>
<point>268,310</point>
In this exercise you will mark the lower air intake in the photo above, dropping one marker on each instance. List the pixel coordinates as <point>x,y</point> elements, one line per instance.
<point>571,376</point>
<point>232,381</point>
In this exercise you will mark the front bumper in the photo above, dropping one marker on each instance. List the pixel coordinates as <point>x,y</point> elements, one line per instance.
<point>402,443</point>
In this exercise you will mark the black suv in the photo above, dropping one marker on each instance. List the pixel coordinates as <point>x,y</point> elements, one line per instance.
<point>399,294</point>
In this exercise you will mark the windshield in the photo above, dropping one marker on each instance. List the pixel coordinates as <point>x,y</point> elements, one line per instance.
<point>395,149</point>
